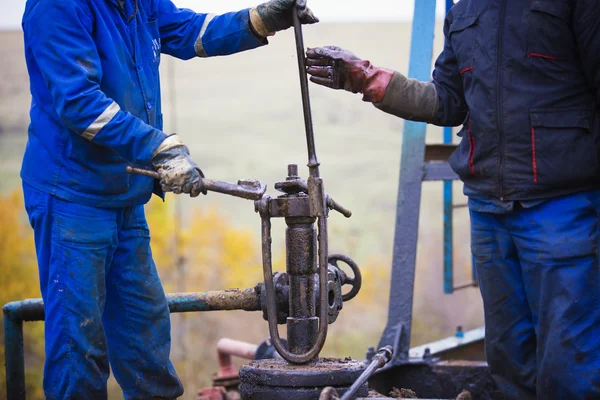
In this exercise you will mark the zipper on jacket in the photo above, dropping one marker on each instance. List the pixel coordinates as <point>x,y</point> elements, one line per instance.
<point>499,100</point>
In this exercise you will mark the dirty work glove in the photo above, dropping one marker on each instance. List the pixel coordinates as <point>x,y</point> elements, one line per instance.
<point>178,172</point>
<point>337,68</point>
<point>277,15</point>
<point>390,91</point>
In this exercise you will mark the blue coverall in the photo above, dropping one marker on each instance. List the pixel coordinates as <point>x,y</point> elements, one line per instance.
<point>95,109</point>
<point>523,76</point>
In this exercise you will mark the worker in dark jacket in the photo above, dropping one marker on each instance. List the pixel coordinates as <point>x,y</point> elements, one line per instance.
<point>94,78</point>
<point>522,77</point>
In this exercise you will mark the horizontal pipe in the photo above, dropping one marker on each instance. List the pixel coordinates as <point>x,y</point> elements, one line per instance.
<point>26,310</point>
<point>33,310</point>
<point>229,347</point>
<point>237,348</point>
<point>222,300</point>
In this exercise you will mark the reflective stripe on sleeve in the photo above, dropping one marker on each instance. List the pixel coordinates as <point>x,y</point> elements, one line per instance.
<point>107,115</point>
<point>198,45</point>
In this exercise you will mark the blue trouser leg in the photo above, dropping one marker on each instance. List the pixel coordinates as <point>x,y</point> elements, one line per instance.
<point>137,319</point>
<point>510,341</point>
<point>87,257</point>
<point>559,252</point>
<point>549,281</point>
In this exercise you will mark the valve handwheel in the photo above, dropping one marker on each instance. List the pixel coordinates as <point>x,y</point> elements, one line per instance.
<point>355,281</point>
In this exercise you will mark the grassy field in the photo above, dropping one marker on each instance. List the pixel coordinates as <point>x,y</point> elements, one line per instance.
<point>241,117</point>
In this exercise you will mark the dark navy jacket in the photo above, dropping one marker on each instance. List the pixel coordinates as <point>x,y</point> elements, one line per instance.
<point>523,78</point>
<point>95,89</point>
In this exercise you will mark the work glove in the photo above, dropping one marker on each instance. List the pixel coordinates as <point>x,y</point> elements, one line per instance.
<point>178,172</point>
<point>336,68</point>
<point>388,90</point>
<point>277,15</point>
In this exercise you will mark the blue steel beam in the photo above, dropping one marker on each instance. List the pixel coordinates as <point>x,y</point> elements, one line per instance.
<point>448,214</point>
<point>412,163</point>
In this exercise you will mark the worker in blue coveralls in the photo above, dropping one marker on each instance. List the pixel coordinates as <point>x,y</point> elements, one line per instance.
<point>94,78</point>
<point>522,77</point>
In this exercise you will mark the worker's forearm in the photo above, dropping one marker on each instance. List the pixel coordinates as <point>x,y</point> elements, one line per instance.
<point>186,34</point>
<point>410,99</point>
<point>226,34</point>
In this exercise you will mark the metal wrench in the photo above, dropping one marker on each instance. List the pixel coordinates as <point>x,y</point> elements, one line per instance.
<point>246,189</point>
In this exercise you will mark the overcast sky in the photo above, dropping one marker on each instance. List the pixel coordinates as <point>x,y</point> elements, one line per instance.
<point>327,10</point>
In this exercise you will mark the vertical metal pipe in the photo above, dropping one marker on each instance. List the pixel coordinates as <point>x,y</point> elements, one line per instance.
<point>14,358</point>
<point>448,214</point>
<point>301,267</point>
<point>448,228</point>
<point>313,163</point>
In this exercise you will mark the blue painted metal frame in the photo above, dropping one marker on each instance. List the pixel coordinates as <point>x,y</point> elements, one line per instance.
<point>448,214</point>
<point>448,218</point>
<point>412,164</point>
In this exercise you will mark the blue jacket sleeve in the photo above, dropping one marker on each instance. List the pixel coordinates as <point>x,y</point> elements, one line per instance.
<point>586,26</point>
<point>58,33</point>
<point>448,83</point>
<point>186,34</point>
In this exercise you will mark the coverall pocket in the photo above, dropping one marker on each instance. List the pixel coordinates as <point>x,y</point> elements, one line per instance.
<point>462,34</point>
<point>81,226</point>
<point>462,159</point>
<point>561,143</point>
<point>549,33</point>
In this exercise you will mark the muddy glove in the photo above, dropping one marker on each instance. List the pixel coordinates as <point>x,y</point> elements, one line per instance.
<point>277,15</point>
<point>390,91</point>
<point>179,173</point>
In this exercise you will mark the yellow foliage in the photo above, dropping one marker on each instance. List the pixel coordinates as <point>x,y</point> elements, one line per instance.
<point>214,251</point>
<point>19,280</point>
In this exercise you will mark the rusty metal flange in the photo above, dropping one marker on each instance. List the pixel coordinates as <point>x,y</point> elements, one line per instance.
<point>275,379</point>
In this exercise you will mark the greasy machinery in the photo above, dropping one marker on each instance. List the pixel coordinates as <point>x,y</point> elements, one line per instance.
<point>309,294</point>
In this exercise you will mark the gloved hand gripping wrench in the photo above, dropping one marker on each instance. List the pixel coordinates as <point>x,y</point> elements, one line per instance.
<point>246,189</point>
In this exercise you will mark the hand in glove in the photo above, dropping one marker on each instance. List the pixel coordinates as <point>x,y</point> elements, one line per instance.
<point>277,15</point>
<point>389,91</point>
<point>337,68</point>
<point>179,173</point>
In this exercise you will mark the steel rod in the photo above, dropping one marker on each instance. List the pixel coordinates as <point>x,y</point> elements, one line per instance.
<point>382,357</point>
<point>466,285</point>
<point>313,163</point>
